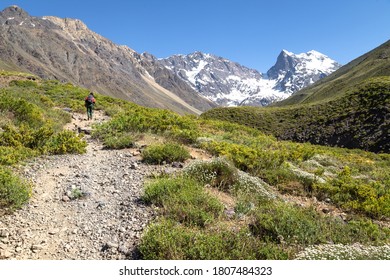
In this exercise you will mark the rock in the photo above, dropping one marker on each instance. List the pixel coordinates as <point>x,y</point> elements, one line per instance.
<point>65,198</point>
<point>230,213</point>
<point>177,164</point>
<point>54,231</point>
<point>134,166</point>
<point>5,254</point>
<point>36,247</point>
<point>4,233</point>
<point>112,245</point>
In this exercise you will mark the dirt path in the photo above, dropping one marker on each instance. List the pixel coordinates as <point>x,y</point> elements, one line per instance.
<point>104,223</point>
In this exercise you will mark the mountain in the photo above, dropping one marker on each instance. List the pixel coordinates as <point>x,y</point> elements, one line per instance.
<point>230,84</point>
<point>375,63</point>
<point>296,71</point>
<point>349,108</point>
<point>66,50</point>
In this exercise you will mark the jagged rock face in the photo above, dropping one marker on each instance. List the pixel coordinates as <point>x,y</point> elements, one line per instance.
<point>216,78</point>
<point>231,84</point>
<point>296,71</point>
<point>66,50</point>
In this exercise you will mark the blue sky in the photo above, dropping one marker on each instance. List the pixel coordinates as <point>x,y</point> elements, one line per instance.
<point>250,32</point>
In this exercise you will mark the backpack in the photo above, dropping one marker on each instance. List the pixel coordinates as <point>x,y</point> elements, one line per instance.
<point>90,100</point>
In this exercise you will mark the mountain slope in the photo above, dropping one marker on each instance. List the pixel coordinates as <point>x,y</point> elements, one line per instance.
<point>230,84</point>
<point>66,50</point>
<point>372,64</point>
<point>359,119</point>
<point>349,108</point>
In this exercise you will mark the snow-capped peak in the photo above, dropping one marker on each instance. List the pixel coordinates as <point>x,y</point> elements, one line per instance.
<point>230,84</point>
<point>287,53</point>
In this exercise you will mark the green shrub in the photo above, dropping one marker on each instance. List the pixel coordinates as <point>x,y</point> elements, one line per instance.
<point>22,111</point>
<point>12,155</point>
<point>120,141</point>
<point>282,223</point>
<point>371,198</point>
<point>23,83</point>
<point>218,173</point>
<point>169,241</point>
<point>183,200</point>
<point>250,159</point>
<point>168,153</point>
<point>183,129</point>
<point>13,191</point>
<point>66,142</point>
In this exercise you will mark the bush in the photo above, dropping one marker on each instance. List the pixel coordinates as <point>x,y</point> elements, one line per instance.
<point>281,223</point>
<point>183,129</point>
<point>168,153</point>
<point>12,155</point>
<point>371,198</point>
<point>13,191</point>
<point>169,241</point>
<point>250,159</point>
<point>120,141</point>
<point>183,200</point>
<point>65,142</point>
<point>23,83</point>
<point>218,173</point>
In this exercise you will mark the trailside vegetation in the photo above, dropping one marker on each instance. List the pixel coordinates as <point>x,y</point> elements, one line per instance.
<point>251,175</point>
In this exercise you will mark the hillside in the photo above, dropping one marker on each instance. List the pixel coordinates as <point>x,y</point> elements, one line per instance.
<point>143,183</point>
<point>349,108</point>
<point>359,119</point>
<point>66,50</point>
<point>372,64</point>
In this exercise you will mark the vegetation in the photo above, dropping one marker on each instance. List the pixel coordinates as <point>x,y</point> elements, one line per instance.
<point>31,124</point>
<point>165,153</point>
<point>233,206</point>
<point>263,227</point>
<point>257,222</point>
<point>358,119</point>
<point>14,192</point>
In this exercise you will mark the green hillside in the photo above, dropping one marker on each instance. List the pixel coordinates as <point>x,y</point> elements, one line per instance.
<point>358,119</point>
<point>249,201</point>
<point>372,64</point>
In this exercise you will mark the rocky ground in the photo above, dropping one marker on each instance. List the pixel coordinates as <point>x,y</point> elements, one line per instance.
<point>83,206</point>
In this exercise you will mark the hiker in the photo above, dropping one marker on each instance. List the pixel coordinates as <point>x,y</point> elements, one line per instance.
<point>89,103</point>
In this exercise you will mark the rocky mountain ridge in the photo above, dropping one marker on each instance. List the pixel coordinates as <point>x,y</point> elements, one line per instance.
<point>230,84</point>
<point>66,50</point>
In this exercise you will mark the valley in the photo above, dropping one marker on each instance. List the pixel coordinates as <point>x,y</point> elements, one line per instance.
<point>191,157</point>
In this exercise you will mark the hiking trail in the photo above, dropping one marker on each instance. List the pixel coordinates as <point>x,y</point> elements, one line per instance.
<point>106,222</point>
